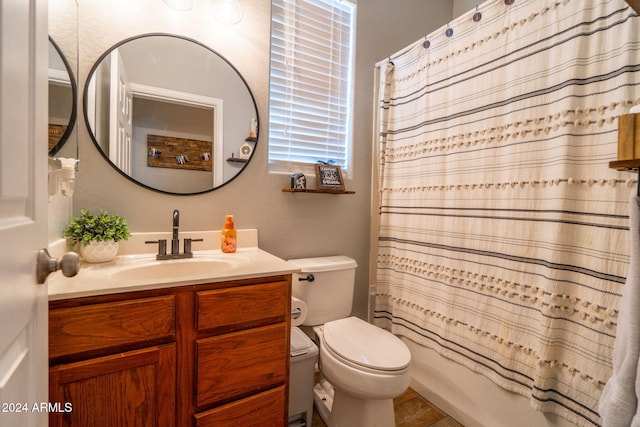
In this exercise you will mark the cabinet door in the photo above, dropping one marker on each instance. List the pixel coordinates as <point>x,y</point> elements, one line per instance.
<point>135,388</point>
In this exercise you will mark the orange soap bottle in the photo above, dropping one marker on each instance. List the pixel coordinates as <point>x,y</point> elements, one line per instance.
<point>228,237</point>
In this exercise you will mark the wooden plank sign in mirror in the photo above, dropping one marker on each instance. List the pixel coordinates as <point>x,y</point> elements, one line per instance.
<point>178,153</point>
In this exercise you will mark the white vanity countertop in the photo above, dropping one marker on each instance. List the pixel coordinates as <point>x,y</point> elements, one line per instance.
<point>134,271</point>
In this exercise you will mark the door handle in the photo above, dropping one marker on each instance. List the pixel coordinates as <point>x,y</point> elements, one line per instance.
<point>45,264</point>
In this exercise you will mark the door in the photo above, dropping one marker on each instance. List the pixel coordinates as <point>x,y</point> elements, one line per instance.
<point>23,211</point>
<point>120,115</point>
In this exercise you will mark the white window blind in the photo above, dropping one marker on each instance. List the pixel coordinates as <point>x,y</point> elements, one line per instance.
<point>310,99</point>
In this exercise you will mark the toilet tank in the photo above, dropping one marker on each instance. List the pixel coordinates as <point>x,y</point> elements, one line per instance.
<point>329,296</point>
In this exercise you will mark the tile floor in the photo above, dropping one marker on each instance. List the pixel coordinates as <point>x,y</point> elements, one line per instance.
<point>412,410</point>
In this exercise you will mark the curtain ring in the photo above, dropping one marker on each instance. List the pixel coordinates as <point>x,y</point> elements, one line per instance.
<point>477,16</point>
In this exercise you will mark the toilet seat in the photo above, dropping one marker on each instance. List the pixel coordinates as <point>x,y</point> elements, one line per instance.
<point>365,346</point>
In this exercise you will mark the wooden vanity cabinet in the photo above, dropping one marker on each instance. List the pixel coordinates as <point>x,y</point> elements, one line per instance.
<point>198,355</point>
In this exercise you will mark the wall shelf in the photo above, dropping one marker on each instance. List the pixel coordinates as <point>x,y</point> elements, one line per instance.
<point>632,165</point>
<point>237,160</point>
<point>625,165</point>
<point>296,190</point>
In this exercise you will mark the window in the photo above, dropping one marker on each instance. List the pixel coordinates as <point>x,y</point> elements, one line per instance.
<point>310,98</point>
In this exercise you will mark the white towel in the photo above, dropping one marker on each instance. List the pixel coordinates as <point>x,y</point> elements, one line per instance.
<point>618,404</point>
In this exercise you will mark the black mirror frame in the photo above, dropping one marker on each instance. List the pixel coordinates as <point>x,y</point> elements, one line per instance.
<point>74,105</point>
<point>106,157</point>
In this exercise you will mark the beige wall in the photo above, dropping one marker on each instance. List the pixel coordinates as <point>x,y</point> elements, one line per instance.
<point>462,6</point>
<point>290,225</point>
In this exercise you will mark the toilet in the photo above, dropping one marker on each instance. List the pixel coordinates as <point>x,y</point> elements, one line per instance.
<point>362,367</point>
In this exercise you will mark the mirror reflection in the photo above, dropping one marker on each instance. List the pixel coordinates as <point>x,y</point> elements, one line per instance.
<point>170,114</point>
<point>62,99</point>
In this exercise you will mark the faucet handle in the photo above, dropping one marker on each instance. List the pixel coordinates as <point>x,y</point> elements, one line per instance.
<point>187,244</point>
<point>162,245</point>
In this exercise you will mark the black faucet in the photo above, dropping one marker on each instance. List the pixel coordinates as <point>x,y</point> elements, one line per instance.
<point>175,241</point>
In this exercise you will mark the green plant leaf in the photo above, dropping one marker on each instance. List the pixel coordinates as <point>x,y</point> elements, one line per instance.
<point>87,228</point>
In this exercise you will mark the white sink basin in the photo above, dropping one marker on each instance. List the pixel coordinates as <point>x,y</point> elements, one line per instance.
<point>173,269</point>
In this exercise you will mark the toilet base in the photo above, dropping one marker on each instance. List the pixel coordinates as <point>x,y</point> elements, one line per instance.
<point>338,409</point>
<point>323,399</point>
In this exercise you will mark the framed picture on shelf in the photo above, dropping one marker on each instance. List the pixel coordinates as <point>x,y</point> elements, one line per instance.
<point>329,177</point>
<point>298,182</point>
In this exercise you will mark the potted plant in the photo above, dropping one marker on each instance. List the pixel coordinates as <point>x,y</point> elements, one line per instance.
<point>97,235</point>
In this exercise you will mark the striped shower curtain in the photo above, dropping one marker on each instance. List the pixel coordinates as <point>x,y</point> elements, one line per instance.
<point>503,232</point>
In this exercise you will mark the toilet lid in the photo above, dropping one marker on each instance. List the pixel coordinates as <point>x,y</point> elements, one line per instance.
<point>366,345</point>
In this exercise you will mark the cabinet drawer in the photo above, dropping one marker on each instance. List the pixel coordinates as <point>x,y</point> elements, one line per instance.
<point>263,409</point>
<point>240,363</point>
<point>99,326</point>
<point>250,305</point>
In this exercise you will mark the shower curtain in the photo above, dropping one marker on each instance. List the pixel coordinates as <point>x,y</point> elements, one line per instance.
<point>503,232</point>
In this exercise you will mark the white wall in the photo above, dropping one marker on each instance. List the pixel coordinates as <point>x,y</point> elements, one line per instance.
<point>62,28</point>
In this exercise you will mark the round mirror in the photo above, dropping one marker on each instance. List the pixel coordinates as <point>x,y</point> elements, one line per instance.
<point>62,99</point>
<point>170,114</point>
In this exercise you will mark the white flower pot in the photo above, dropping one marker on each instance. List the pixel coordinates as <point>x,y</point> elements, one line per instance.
<point>99,251</point>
